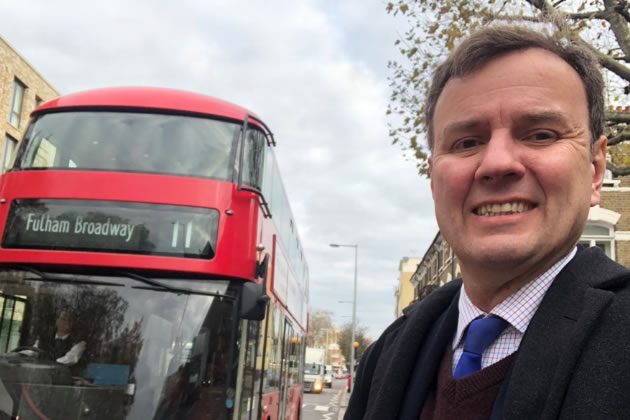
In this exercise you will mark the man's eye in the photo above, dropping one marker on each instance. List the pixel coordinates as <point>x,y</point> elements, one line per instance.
<point>541,136</point>
<point>466,144</point>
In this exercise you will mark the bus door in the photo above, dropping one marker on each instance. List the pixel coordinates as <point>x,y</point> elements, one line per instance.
<point>247,374</point>
<point>270,351</point>
<point>284,374</point>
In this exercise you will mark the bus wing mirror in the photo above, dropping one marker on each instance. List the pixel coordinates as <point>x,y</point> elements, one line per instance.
<point>253,302</point>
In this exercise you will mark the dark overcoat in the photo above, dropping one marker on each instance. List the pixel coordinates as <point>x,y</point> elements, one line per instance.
<point>573,362</point>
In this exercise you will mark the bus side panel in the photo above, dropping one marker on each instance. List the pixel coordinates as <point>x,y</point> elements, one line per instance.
<point>294,400</point>
<point>271,401</point>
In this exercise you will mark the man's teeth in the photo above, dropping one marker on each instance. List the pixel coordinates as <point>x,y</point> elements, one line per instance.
<point>502,209</point>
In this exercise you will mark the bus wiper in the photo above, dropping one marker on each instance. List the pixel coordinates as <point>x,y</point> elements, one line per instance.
<point>60,279</point>
<point>159,285</point>
<point>151,282</point>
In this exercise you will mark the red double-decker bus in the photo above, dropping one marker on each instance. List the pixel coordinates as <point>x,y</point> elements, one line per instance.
<point>150,266</point>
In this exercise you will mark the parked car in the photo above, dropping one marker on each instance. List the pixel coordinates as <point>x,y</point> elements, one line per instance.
<point>342,375</point>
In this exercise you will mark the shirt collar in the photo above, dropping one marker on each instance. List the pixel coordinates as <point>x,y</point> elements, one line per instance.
<point>518,309</point>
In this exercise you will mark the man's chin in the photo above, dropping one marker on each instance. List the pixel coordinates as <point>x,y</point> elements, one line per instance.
<point>499,255</point>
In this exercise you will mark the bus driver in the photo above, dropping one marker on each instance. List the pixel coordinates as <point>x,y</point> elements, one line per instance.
<point>63,346</point>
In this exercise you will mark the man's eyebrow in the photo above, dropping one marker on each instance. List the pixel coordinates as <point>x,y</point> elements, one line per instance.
<point>526,117</point>
<point>461,126</point>
<point>544,116</point>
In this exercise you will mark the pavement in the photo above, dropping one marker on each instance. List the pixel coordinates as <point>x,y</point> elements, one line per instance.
<point>343,404</point>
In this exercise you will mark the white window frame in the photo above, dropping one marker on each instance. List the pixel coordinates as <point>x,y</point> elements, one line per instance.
<point>609,238</point>
<point>17,103</point>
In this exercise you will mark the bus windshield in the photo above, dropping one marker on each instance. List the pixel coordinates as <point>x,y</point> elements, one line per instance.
<point>131,141</point>
<point>114,347</point>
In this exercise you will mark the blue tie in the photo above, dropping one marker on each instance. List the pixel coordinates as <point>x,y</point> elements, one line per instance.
<point>481,333</point>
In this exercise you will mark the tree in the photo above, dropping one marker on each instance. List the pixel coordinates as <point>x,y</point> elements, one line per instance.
<point>345,341</point>
<point>435,28</point>
<point>320,329</point>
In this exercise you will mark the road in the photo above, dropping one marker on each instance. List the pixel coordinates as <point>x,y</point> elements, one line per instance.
<point>324,406</point>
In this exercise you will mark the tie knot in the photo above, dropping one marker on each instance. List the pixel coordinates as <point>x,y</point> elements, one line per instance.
<point>483,332</point>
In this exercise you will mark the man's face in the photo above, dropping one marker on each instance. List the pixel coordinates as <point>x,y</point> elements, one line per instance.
<point>511,172</point>
<point>64,322</point>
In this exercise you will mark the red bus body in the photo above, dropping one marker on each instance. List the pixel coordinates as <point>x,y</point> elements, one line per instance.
<point>247,237</point>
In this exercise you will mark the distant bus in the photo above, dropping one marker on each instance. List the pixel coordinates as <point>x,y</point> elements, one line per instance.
<point>156,221</point>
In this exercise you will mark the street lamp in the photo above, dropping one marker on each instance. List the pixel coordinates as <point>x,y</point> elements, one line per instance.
<point>327,343</point>
<point>354,306</point>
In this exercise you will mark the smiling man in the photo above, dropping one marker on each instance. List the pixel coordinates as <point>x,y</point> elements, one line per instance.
<point>537,327</point>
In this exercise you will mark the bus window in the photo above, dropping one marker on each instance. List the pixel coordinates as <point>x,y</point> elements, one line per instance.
<point>135,142</point>
<point>253,159</point>
<point>11,318</point>
<point>273,355</point>
<point>45,156</point>
<point>249,404</point>
<point>147,353</point>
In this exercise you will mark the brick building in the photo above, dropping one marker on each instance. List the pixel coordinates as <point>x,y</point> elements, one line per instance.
<point>404,292</point>
<point>608,227</point>
<point>609,223</point>
<point>437,267</point>
<point>22,89</point>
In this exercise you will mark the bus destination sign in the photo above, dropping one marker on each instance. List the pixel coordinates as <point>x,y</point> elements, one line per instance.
<point>112,226</point>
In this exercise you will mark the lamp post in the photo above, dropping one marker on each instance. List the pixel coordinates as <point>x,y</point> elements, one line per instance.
<point>327,344</point>
<point>354,306</point>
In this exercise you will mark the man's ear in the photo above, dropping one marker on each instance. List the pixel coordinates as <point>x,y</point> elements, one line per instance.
<point>598,168</point>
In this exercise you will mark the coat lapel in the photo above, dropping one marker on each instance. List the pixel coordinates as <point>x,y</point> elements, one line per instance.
<point>556,335</point>
<point>428,362</point>
<point>394,370</point>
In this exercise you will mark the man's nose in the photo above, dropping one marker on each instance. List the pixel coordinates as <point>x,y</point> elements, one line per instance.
<point>500,160</point>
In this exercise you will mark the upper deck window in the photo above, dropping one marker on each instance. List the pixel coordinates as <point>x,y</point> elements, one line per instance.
<point>254,157</point>
<point>134,142</point>
<point>9,147</point>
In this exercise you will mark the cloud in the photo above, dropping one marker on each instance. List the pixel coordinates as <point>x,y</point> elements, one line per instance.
<point>315,71</point>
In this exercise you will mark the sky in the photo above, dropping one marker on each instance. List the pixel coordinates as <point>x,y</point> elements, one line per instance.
<point>314,70</point>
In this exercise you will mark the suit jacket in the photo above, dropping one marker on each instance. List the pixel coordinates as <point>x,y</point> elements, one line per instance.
<point>573,362</point>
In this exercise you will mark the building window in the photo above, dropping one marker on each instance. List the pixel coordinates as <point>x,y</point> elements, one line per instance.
<point>8,152</point>
<point>15,109</point>
<point>599,236</point>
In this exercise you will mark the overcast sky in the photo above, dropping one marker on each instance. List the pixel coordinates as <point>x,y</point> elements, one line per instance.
<point>314,70</point>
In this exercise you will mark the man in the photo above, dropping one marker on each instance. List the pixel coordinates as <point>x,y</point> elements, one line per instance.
<point>61,347</point>
<point>538,329</point>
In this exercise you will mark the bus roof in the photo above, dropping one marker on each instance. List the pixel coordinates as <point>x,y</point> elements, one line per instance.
<point>148,98</point>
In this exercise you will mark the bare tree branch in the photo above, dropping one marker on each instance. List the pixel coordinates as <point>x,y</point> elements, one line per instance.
<point>596,14</point>
<point>619,139</point>
<point>544,6</point>
<point>618,117</point>
<point>618,171</point>
<point>512,18</point>
<point>608,62</point>
<point>618,25</point>
<point>622,9</point>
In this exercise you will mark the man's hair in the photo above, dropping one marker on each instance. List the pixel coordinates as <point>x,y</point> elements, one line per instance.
<point>492,42</point>
<point>69,315</point>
